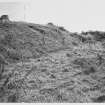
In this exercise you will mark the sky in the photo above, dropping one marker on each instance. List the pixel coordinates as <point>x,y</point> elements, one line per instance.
<point>74,15</point>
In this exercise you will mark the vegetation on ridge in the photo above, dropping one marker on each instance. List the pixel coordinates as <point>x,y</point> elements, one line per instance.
<point>47,63</point>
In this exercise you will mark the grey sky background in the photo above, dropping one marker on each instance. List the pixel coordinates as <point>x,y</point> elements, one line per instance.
<point>15,10</point>
<point>74,15</point>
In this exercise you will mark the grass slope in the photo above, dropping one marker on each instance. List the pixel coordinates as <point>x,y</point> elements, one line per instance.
<point>47,63</point>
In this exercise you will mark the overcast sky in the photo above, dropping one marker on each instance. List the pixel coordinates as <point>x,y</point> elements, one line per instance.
<point>74,15</point>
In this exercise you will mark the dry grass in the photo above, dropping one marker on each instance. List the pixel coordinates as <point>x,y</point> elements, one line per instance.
<point>48,64</point>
